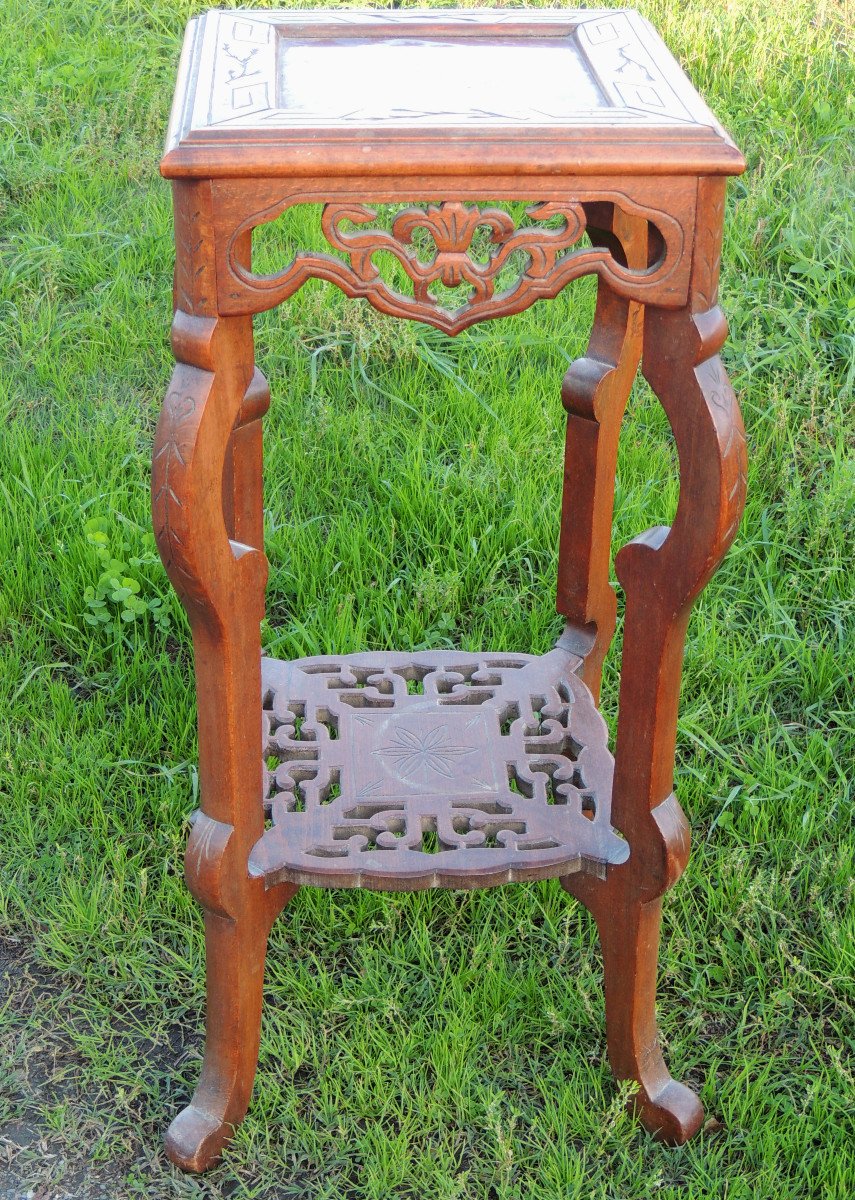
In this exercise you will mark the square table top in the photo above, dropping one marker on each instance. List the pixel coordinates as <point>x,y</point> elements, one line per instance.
<point>490,91</point>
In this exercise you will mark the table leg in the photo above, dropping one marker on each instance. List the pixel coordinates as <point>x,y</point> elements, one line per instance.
<point>595,392</point>
<point>205,487</point>
<point>662,572</point>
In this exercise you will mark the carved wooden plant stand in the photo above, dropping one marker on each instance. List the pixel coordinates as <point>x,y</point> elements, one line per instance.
<point>405,771</point>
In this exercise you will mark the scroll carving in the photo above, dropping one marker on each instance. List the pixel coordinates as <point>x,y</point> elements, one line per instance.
<point>452,227</point>
<point>664,569</point>
<point>381,762</point>
<point>206,866</point>
<point>595,393</point>
<point>682,365</point>
<point>215,395</point>
<point>192,442</point>
<point>547,252</point>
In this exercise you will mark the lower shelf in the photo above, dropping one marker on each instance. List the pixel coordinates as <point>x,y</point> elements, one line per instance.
<point>439,769</point>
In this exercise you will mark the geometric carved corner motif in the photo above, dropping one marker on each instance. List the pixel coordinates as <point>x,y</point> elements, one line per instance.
<point>500,266</point>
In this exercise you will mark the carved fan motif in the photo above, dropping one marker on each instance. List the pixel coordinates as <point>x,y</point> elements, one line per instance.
<point>451,227</point>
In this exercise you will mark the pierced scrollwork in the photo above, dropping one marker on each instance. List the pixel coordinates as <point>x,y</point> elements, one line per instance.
<point>489,263</point>
<point>452,227</point>
<point>438,769</point>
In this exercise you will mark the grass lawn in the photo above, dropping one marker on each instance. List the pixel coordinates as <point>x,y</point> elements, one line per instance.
<point>437,1045</point>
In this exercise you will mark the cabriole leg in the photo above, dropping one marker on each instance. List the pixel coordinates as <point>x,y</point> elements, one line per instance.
<point>235,951</point>
<point>662,572</point>
<point>206,500</point>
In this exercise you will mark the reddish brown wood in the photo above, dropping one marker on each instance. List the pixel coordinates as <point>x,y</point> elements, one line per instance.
<point>662,572</point>
<point>553,257</point>
<point>221,582</point>
<point>444,768</point>
<point>595,393</point>
<point>618,104</point>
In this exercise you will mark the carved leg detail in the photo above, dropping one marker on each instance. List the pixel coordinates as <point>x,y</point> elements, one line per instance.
<point>627,907</point>
<point>242,473</point>
<point>595,393</point>
<point>235,953</point>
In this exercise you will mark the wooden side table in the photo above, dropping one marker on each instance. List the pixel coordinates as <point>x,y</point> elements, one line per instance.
<point>405,771</point>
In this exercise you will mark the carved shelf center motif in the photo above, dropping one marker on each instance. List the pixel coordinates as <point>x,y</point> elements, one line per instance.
<point>423,757</point>
<point>436,769</point>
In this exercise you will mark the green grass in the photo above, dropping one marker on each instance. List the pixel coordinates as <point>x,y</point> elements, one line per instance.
<point>438,1045</point>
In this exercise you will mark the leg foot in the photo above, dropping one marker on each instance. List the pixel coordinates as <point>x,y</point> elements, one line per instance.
<point>195,1139</point>
<point>235,952</point>
<point>629,934</point>
<point>672,1116</point>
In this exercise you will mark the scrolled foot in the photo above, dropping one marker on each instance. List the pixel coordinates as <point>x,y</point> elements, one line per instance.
<point>673,1115</point>
<point>195,1139</point>
<point>629,936</point>
<point>235,973</point>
